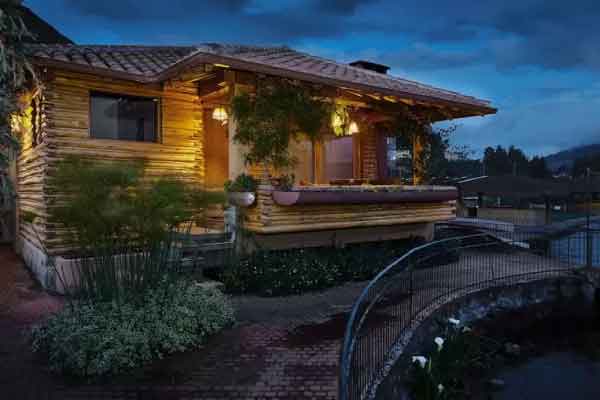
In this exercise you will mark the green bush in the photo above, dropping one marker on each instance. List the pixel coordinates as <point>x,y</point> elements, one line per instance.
<point>295,271</point>
<point>125,228</point>
<point>243,183</point>
<point>93,338</point>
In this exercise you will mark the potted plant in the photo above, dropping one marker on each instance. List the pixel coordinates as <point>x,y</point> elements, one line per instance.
<point>284,182</point>
<point>241,191</point>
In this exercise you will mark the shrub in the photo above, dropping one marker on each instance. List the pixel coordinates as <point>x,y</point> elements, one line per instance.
<point>93,338</point>
<point>243,183</point>
<point>125,229</point>
<point>295,271</point>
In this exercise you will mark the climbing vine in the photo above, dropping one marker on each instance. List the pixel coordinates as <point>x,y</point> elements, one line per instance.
<point>278,112</point>
<point>16,74</point>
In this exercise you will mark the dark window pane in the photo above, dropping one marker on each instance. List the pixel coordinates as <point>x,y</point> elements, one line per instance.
<point>123,117</point>
<point>399,158</point>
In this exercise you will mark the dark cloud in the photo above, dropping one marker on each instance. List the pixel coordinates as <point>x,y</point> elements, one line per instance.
<point>422,57</point>
<point>154,9</point>
<point>546,33</point>
<point>342,7</point>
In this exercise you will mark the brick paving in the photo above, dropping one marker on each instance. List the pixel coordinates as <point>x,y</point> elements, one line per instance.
<point>281,348</point>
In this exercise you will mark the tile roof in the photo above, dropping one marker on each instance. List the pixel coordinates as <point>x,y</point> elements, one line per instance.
<point>157,63</point>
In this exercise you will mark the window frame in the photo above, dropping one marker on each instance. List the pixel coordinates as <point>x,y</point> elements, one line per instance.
<point>158,115</point>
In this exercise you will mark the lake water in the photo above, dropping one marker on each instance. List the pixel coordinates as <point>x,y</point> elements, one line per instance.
<point>556,376</point>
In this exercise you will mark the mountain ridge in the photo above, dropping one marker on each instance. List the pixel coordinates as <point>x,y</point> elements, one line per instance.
<point>566,158</point>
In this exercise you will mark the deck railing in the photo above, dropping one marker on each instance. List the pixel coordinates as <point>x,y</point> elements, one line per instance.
<point>409,289</point>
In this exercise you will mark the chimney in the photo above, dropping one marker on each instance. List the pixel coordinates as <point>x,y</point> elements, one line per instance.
<point>371,66</point>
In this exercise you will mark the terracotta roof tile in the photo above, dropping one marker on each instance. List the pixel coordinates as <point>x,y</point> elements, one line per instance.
<point>155,63</point>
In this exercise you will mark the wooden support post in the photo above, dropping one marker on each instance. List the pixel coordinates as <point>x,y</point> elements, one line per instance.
<point>418,167</point>
<point>548,210</point>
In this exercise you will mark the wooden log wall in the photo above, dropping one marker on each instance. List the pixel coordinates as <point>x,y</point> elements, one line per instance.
<point>66,98</point>
<point>30,171</point>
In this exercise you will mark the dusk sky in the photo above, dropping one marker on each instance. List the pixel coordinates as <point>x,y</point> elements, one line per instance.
<point>538,61</point>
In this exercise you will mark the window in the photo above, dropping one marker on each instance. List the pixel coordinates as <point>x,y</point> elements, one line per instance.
<point>123,117</point>
<point>339,158</point>
<point>398,158</point>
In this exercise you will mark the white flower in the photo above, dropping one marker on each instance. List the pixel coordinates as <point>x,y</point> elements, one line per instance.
<point>440,343</point>
<point>440,388</point>
<point>454,321</point>
<point>421,360</point>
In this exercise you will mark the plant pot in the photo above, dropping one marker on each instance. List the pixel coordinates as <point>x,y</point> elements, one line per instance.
<point>241,199</point>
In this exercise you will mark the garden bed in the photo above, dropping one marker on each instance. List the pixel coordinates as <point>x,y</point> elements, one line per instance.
<point>296,271</point>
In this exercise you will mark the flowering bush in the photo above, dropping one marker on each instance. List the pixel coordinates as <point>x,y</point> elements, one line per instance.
<point>440,374</point>
<point>88,339</point>
<point>295,271</point>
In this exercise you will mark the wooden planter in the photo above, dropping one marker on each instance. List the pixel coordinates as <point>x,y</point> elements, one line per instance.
<point>289,198</point>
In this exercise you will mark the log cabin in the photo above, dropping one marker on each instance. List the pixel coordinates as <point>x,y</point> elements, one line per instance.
<point>169,105</point>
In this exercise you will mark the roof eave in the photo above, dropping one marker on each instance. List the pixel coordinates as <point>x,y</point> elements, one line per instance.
<point>464,109</point>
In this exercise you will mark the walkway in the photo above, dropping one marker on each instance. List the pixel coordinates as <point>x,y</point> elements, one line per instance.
<point>281,348</point>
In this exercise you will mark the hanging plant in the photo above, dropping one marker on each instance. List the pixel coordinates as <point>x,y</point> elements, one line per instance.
<point>278,112</point>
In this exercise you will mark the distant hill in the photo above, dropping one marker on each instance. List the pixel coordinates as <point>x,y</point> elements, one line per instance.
<point>567,157</point>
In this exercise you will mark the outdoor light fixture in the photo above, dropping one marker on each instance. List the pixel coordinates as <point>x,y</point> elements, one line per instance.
<point>353,128</point>
<point>220,114</point>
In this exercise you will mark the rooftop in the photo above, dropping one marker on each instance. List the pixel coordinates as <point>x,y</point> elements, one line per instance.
<point>159,63</point>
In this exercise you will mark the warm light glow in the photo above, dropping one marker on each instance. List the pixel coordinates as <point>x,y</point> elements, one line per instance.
<point>220,114</point>
<point>336,122</point>
<point>353,128</point>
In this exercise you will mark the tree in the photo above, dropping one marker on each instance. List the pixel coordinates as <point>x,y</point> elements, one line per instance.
<point>538,168</point>
<point>581,165</point>
<point>433,157</point>
<point>496,161</point>
<point>16,74</point>
<point>518,161</point>
<point>499,161</point>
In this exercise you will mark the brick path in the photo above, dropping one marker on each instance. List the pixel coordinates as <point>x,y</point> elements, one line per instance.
<point>280,349</point>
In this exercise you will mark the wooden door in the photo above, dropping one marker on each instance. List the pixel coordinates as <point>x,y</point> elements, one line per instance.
<point>216,152</point>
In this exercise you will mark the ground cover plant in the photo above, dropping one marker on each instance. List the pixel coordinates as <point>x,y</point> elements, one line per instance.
<point>296,271</point>
<point>97,338</point>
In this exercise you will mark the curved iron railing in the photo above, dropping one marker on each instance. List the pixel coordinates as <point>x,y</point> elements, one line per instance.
<point>416,284</point>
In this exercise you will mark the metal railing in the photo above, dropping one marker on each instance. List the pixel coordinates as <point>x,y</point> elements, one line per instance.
<point>409,289</point>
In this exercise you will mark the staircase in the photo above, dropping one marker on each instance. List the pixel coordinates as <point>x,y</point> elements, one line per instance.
<point>206,250</point>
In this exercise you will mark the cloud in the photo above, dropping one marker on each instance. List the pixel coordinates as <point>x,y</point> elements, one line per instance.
<point>421,56</point>
<point>509,34</point>
<point>542,127</point>
<point>342,7</point>
<point>134,10</point>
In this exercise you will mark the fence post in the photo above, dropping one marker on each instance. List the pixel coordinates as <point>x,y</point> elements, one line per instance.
<point>588,233</point>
